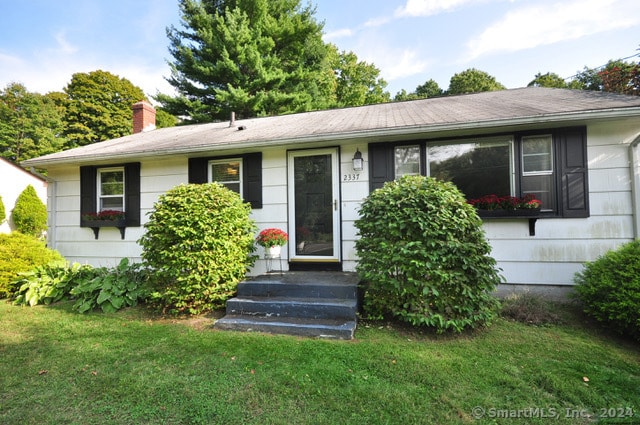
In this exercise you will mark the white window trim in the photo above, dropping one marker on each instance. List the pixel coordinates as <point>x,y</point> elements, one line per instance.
<point>395,164</point>
<point>99,188</point>
<point>226,161</point>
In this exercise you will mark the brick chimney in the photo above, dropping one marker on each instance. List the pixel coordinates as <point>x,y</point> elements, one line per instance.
<point>144,117</point>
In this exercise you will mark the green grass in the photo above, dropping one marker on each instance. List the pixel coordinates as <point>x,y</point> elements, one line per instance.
<point>59,367</point>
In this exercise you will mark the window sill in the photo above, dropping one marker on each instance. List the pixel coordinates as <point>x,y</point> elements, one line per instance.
<point>95,225</point>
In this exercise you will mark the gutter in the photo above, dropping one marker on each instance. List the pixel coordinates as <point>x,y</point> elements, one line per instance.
<point>634,169</point>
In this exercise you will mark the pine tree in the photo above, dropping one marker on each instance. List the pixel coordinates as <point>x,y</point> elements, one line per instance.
<point>253,57</point>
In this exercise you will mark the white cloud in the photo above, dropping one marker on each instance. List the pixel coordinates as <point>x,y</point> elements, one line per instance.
<point>399,64</point>
<point>414,8</point>
<point>545,24</point>
<point>63,46</point>
<point>341,33</point>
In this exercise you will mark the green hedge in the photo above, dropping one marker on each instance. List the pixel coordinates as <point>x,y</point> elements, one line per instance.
<point>609,287</point>
<point>21,253</point>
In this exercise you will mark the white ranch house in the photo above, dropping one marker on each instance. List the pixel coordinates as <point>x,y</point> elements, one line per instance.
<point>577,151</point>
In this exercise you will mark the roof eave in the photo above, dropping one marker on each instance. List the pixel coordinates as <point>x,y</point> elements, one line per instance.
<point>374,134</point>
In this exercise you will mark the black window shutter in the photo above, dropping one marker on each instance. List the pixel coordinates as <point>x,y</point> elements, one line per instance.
<point>132,193</point>
<point>574,181</point>
<point>380,165</point>
<point>198,172</point>
<point>252,179</point>
<point>88,190</point>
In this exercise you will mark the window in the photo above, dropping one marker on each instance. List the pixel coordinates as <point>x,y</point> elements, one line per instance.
<point>228,173</point>
<point>407,160</point>
<point>111,189</point>
<point>537,169</point>
<point>552,165</point>
<point>477,168</point>
<point>247,181</point>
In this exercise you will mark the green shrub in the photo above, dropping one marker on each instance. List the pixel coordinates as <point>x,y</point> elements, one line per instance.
<point>111,289</point>
<point>609,288</point>
<point>424,256</point>
<point>3,213</point>
<point>199,243</point>
<point>21,253</point>
<point>30,213</point>
<point>49,283</point>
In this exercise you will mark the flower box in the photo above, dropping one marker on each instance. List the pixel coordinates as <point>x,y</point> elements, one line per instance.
<point>95,224</point>
<point>500,213</point>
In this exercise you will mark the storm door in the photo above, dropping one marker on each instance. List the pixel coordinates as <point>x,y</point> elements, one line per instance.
<point>314,206</point>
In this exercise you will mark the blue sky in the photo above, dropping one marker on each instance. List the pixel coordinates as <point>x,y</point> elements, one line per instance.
<point>43,42</point>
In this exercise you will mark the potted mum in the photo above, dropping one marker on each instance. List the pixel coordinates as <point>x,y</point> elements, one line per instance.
<point>272,240</point>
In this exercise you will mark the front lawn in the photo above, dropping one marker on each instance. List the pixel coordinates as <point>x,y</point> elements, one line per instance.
<point>130,367</point>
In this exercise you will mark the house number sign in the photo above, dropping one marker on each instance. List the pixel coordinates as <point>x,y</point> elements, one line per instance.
<point>351,177</point>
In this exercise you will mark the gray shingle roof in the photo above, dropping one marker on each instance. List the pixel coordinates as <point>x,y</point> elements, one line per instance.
<point>479,110</point>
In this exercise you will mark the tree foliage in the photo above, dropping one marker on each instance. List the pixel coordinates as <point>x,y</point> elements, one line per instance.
<point>30,124</point>
<point>98,107</point>
<point>549,79</point>
<point>358,83</point>
<point>198,244</point>
<point>259,57</point>
<point>429,89</point>
<point>473,81</point>
<point>424,256</point>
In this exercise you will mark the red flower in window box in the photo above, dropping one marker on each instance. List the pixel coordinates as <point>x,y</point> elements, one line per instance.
<point>494,202</point>
<point>104,215</point>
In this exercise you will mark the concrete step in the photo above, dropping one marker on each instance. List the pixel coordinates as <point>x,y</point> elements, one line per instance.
<point>310,308</point>
<point>275,288</point>
<point>316,328</point>
<point>302,284</point>
<point>315,304</point>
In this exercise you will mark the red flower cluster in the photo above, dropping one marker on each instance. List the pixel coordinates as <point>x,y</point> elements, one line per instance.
<point>104,215</point>
<point>272,237</point>
<point>494,202</point>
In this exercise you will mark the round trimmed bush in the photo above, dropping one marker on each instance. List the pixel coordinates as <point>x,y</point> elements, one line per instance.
<point>21,253</point>
<point>30,213</point>
<point>424,257</point>
<point>198,243</point>
<point>609,288</point>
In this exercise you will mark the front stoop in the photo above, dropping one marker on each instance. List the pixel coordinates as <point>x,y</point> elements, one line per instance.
<point>310,304</point>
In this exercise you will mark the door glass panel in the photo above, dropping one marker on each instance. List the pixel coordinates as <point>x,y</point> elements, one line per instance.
<point>314,205</point>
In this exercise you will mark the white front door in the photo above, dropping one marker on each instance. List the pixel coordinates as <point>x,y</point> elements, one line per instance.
<point>314,205</point>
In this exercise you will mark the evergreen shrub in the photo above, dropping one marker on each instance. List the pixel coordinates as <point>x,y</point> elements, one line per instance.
<point>198,244</point>
<point>3,213</point>
<point>424,257</point>
<point>21,253</point>
<point>30,213</point>
<point>609,289</point>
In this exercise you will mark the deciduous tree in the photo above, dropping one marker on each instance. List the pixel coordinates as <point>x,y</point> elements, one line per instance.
<point>30,124</point>
<point>473,81</point>
<point>98,107</point>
